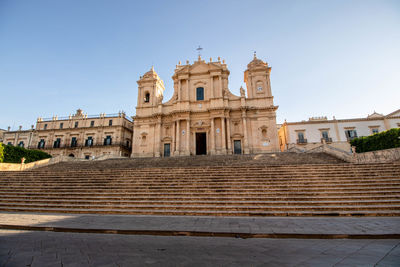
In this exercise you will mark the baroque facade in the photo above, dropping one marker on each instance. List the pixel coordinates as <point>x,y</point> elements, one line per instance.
<point>77,135</point>
<point>306,135</point>
<point>203,116</point>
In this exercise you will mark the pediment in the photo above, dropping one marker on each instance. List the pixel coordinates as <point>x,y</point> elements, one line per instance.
<point>375,115</point>
<point>199,68</point>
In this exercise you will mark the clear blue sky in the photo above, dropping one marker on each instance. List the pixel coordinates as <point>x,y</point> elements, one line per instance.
<point>328,58</point>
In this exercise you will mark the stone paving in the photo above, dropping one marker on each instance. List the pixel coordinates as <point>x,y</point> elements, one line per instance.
<point>24,248</point>
<point>303,225</point>
<point>37,248</point>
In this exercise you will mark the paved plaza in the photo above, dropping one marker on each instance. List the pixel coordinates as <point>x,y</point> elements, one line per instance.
<point>363,247</point>
<point>24,248</point>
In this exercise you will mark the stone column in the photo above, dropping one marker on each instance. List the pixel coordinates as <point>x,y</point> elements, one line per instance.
<point>157,136</point>
<point>228,133</point>
<point>188,137</point>
<point>173,138</point>
<point>178,133</point>
<point>179,90</point>
<point>188,90</point>
<point>245,137</point>
<point>212,87</point>
<point>223,135</point>
<point>220,85</point>
<point>386,123</point>
<point>212,137</point>
<point>337,131</point>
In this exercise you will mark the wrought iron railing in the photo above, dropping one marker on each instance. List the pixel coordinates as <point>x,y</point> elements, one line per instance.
<point>327,139</point>
<point>301,141</point>
<point>99,144</point>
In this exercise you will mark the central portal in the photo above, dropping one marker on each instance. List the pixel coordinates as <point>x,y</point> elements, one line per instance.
<point>201,144</point>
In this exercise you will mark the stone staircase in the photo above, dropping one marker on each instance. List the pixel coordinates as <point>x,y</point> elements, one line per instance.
<point>284,184</point>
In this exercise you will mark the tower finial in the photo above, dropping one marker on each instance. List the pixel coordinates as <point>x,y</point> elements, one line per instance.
<point>255,56</point>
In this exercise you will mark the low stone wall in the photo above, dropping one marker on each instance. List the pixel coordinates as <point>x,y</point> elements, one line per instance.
<point>21,167</point>
<point>379,156</point>
<point>46,162</point>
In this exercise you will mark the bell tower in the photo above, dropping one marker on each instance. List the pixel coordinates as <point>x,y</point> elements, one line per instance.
<point>151,89</point>
<point>257,79</point>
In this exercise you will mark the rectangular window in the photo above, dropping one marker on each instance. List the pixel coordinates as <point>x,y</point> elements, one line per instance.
<point>61,125</point>
<point>325,137</point>
<point>375,130</point>
<point>21,144</point>
<point>45,126</point>
<point>199,93</point>
<point>74,142</point>
<point>41,143</point>
<point>89,141</point>
<point>110,123</point>
<point>300,138</point>
<point>351,134</point>
<point>92,124</point>
<point>9,143</point>
<point>107,140</point>
<point>57,143</point>
<point>76,124</point>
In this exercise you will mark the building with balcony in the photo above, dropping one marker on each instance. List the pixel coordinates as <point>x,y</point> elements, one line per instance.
<point>306,135</point>
<point>84,136</point>
<point>20,137</point>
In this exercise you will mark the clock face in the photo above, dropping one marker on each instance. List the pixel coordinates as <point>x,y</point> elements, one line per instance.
<point>259,88</point>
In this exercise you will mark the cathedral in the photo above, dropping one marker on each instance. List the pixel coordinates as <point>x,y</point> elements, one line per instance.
<point>203,117</point>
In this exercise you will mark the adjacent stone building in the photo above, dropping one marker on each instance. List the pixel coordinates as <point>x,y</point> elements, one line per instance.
<point>305,135</point>
<point>21,138</point>
<point>203,116</point>
<point>84,136</point>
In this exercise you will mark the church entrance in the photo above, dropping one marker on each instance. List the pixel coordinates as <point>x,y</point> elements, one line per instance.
<point>237,147</point>
<point>201,144</point>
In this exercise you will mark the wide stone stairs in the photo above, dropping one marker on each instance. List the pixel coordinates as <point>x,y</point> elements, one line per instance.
<point>220,186</point>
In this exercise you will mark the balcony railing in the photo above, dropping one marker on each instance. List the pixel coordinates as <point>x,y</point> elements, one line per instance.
<point>76,146</point>
<point>301,141</point>
<point>349,138</point>
<point>113,115</point>
<point>326,139</point>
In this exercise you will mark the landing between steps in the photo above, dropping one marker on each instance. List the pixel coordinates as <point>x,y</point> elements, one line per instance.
<point>319,227</point>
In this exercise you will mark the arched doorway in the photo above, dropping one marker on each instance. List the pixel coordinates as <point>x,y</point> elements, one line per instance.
<point>71,155</point>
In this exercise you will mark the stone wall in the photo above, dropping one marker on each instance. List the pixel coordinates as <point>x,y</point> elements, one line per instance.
<point>379,156</point>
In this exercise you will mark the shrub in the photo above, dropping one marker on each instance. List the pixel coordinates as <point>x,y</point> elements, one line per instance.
<point>384,140</point>
<point>1,152</point>
<point>13,154</point>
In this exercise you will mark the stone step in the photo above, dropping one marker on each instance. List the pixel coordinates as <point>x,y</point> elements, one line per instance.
<point>209,207</point>
<point>163,198</point>
<point>202,202</point>
<point>354,212</point>
<point>208,194</point>
<point>237,187</point>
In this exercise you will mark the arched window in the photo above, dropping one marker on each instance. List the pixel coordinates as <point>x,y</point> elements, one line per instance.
<point>147,97</point>
<point>199,93</point>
